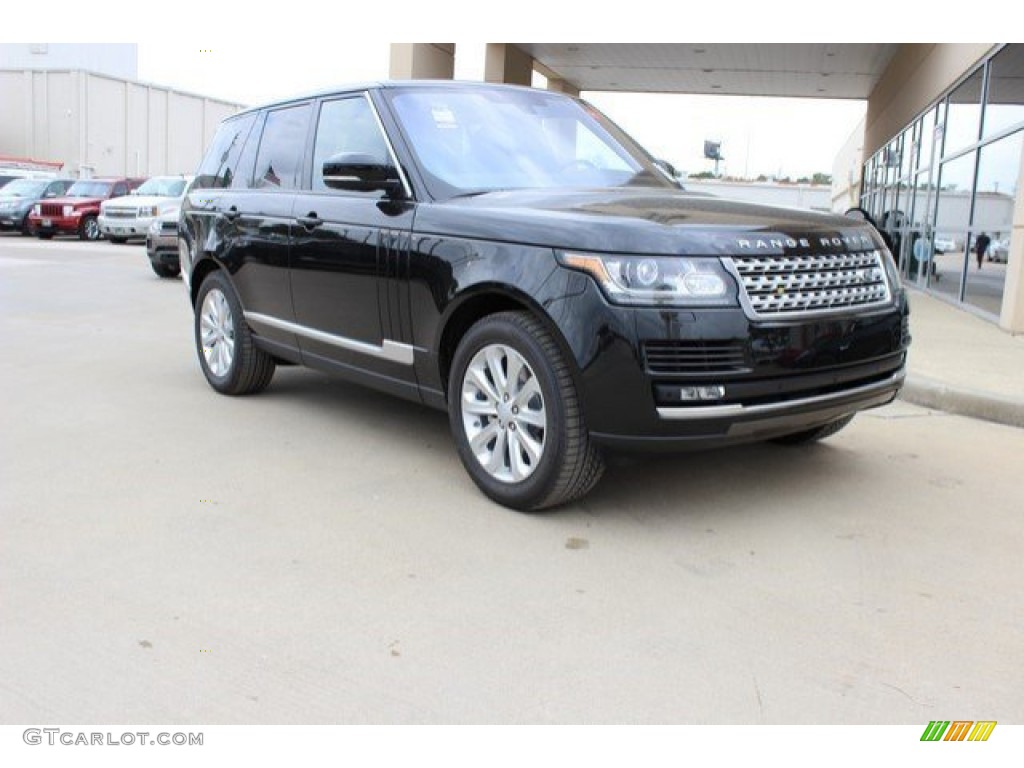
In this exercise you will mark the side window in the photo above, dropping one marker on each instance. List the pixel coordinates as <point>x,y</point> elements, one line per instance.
<point>282,147</point>
<point>120,189</point>
<point>346,125</point>
<point>219,165</point>
<point>247,158</point>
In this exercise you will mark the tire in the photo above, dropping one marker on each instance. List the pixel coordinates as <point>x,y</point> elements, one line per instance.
<point>814,435</point>
<point>230,360</point>
<point>117,240</point>
<point>89,229</point>
<point>45,235</point>
<point>162,270</point>
<point>27,230</point>
<point>530,429</point>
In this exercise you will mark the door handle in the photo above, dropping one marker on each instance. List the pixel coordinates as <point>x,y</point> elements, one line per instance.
<point>310,221</point>
<point>232,213</point>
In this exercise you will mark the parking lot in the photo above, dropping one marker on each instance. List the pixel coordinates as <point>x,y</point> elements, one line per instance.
<point>317,554</point>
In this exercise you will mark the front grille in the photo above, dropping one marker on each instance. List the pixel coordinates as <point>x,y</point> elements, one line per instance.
<point>120,213</point>
<point>786,285</point>
<point>169,227</point>
<point>51,209</point>
<point>683,357</point>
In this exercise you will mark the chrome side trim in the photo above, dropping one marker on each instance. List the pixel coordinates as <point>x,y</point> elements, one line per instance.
<point>394,351</point>
<point>866,392</point>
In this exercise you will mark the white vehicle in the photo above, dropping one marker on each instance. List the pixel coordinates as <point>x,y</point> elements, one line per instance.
<point>129,217</point>
<point>946,244</point>
<point>999,251</point>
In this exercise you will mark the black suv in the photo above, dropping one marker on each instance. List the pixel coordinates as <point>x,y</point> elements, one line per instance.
<point>509,255</point>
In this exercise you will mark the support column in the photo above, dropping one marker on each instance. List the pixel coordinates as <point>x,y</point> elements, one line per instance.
<point>505,63</point>
<point>562,86</point>
<point>1012,316</point>
<point>431,61</point>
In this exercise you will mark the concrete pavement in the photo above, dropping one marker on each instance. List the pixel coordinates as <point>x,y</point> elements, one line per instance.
<point>317,554</point>
<point>962,364</point>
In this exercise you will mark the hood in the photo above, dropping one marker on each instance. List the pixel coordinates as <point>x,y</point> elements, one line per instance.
<point>73,200</point>
<point>650,221</point>
<point>131,202</point>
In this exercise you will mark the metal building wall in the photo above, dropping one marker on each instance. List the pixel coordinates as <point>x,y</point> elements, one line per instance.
<point>100,126</point>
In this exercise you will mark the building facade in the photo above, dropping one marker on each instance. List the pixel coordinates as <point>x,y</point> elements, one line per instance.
<point>950,175</point>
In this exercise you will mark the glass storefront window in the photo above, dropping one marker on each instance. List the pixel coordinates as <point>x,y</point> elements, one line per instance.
<point>963,116</point>
<point>927,137</point>
<point>1005,90</point>
<point>952,219</point>
<point>998,173</point>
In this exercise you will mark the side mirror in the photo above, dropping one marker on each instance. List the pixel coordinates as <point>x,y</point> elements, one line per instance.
<point>360,172</point>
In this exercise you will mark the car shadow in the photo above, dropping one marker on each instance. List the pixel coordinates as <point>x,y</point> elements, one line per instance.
<point>745,479</point>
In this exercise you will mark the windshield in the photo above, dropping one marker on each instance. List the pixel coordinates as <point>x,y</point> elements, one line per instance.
<point>480,139</point>
<point>89,189</point>
<point>24,188</point>
<point>163,186</point>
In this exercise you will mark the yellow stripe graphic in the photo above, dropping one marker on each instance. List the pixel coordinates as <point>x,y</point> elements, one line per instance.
<point>982,730</point>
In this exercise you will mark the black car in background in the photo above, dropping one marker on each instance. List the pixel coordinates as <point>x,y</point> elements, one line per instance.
<point>19,195</point>
<point>509,255</point>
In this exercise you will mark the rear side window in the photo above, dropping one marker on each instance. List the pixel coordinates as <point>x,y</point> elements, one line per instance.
<point>220,164</point>
<point>282,147</point>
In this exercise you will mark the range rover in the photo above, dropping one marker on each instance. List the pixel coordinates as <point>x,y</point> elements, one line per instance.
<point>509,255</point>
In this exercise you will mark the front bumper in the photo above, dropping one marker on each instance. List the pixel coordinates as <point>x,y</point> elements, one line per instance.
<point>52,225</point>
<point>134,227</point>
<point>635,367</point>
<point>163,248</point>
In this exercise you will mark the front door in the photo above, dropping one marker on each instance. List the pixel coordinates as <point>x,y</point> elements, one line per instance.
<point>348,256</point>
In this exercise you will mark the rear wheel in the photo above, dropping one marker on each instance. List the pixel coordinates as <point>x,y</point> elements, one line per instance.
<point>516,417</point>
<point>45,235</point>
<point>230,359</point>
<point>89,229</point>
<point>816,434</point>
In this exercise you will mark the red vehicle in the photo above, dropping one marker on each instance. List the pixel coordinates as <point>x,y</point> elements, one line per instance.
<point>76,212</point>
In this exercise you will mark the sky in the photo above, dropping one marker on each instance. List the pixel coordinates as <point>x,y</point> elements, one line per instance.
<point>799,137</point>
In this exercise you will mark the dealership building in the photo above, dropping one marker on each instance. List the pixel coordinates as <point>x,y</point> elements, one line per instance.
<point>937,161</point>
<point>82,105</point>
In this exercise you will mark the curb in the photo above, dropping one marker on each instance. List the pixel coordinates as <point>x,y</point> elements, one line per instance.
<point>930,393</point>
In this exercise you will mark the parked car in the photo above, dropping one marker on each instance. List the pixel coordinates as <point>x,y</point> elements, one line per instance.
<point>946,244</point>
<point>512,257</point>
<point>125,218</point>
<point>162,245</point>
<point>19,196</point>
<point>77,212</point>
<point>999,251</point>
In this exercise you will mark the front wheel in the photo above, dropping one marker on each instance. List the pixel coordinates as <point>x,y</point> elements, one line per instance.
<point>230,360</point>
<point>165,270</point>
<point>516,417</point>
<point>89,229</point>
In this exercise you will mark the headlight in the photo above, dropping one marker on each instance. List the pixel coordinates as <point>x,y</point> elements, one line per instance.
<point>68,210</point>
<point>892,271</point>
<point>37,210</point>
<point>148,211</point>
<point>154,228</point>
<point>657,280</point>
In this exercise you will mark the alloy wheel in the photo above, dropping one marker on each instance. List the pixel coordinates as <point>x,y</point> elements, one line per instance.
<point>217,330</point>
<point>503,413</point>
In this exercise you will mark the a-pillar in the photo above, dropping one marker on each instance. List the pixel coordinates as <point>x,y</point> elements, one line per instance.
<point>1012,316</point>
<point>431,61</point>
<point>506,63</point>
